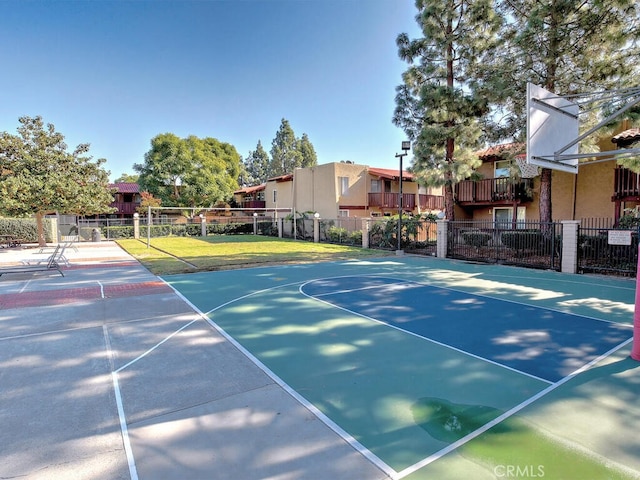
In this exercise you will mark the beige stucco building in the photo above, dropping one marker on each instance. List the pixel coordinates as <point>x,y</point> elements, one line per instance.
<point>600,189</point>
<point>342,189</point>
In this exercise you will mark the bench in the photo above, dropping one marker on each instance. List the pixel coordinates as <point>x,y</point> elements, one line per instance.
<point>51,264</point>
<point>9,241</point>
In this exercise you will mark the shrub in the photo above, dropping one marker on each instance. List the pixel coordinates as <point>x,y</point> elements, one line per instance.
<point>336,234</point>
<point>25,229</point>
<point>355,238</point>
<point>522,239</point>
<point>476,238</point>
<point>118,232</point>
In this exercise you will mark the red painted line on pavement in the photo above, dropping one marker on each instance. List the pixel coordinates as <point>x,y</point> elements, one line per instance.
<point>77,295</point>
<point>134,289</point>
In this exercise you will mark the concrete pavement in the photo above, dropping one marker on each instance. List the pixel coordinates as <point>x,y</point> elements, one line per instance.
<point>108,373</point>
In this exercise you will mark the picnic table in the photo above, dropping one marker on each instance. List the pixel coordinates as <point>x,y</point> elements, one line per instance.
<point>8,241</point>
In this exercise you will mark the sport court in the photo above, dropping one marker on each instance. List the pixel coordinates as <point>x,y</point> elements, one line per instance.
<point>419,363</point>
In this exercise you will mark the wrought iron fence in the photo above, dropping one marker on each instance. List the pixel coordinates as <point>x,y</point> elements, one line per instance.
<point>418,235</point>
<point>606,248</point>
<point>343,231</point>
<point>527,244</point>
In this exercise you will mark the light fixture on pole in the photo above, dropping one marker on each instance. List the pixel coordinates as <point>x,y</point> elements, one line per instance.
<point>406,146</point>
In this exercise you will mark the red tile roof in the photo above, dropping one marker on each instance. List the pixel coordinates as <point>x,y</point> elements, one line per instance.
<point>626,138</point>
<point>282,178</point>
<point>390,173</point>
<point>500,150</point>
<point>253,189</point>
<point>125,187</point>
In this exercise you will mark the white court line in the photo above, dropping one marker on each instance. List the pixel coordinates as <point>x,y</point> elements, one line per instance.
<point>142,355</point>
<point>453,446</point>
<point>133,471</point>
<point>355,444</point>
<point>432,458</point>
<point>345,435</point>
<point>408,332</point>
<point>24,287</point>
<point>481,295</point>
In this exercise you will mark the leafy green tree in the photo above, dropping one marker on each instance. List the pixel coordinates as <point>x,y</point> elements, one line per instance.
<point>438,106</point>
<point>256,166</point>
<point>127,178</point>
<point>567,47</point>
<point>190,172</point>
<point>38,176</point>
<point>307,152</point>
<point>285,155</point>
<point>147,200</point>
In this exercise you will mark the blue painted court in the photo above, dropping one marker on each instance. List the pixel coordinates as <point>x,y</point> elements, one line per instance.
<point>380,349</point>
<point>543,343</point>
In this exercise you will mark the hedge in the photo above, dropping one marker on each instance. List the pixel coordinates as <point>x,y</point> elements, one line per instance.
<point>178,230</point>
<point>25,229</point>
<point>476,238</point>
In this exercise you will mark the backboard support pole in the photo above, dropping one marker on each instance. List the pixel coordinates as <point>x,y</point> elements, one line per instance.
<point>635,349</point>
<point>600,124</point>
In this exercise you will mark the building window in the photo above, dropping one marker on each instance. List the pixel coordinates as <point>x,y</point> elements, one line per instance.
<point>376,186</point>
<point>344,185</point>
<point>275,196</point>
<point>503,216</point>
<point>343,213</point>
<point>502,168</point>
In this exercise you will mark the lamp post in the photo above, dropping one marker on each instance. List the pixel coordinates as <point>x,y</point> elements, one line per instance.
<point>406,146</point>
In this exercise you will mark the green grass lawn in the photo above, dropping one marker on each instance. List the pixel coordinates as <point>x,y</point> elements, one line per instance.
<point>170,255</point>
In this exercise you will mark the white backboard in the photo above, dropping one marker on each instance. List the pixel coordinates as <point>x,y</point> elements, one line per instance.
<point>552,123</point>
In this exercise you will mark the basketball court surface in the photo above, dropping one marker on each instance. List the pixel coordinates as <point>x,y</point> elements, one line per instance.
<point>400,367</point>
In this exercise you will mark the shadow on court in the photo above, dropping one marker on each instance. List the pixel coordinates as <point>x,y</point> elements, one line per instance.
<point>108,373</point>
<point>443,369</point>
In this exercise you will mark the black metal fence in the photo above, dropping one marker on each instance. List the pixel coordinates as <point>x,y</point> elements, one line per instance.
<point>526,244</point>
<point>607,249</point>
<point>603,247</point>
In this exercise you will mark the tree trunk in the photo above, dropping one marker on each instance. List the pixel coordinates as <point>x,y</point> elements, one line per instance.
<point>449,202</point>
<point>450,142</point>
<point>42,240</point>
<point>545,196</point>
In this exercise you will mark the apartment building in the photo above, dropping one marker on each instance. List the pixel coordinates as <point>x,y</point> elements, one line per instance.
<point>342,189</point>
<point>601,189</point>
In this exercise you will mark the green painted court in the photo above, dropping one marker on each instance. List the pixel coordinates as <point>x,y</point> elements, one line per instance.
<point>441,369</point>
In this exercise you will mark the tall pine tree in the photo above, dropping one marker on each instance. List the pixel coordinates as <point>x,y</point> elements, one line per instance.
<point>437,106</point>
<point>285,155</point>
<point>568,47</point>
<point>289,152</point>
<point>307,152</point>
<point>256,166</point>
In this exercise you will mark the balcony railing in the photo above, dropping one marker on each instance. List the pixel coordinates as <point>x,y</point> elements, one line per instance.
<point>625,184</point>
<point>251,204</point>
<point>390,200</point>
<point>125,208</point>
<point>431,202</point>
<point>494,190</point>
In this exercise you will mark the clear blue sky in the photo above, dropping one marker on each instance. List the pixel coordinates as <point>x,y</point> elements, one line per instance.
<point>117,73</point>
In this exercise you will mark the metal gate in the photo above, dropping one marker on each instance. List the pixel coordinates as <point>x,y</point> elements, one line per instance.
<point>599,252</point>
<point>526,244</point>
